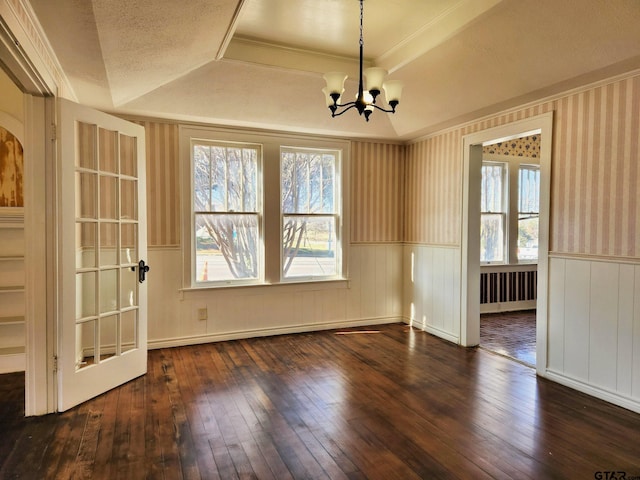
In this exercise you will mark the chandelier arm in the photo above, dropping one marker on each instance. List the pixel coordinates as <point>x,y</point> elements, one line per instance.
<point>389,110</point>
<point>348,106</point>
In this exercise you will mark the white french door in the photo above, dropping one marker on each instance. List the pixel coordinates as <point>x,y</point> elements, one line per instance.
<point>102,247</point>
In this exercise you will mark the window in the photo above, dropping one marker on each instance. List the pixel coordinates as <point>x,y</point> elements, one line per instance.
<point>310,218</point>
<point>528,212</point>
<point>226,211</point>
<point>493,213</point>
<point>263,208</point>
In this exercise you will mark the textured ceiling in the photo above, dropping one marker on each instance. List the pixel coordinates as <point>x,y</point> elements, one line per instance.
<point>259,63</point>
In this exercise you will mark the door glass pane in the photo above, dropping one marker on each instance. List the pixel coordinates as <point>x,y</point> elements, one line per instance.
<point>128,156</point>
<point>85,245</point>
<point>108,197</point>
<point>129,201</point>
<point>108,336</point>
<point>128,243</point>
<point>85,294</point>
<point>108,290</point>
<point>129,287</point>
<point>107,150</point>
<point>86,195</point>
<point>128,328</point>
<point>86,155</point>
<point>85,344</point>
<point>108,244</point>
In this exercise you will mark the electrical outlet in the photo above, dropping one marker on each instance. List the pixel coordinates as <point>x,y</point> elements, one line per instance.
<point>202,313</point>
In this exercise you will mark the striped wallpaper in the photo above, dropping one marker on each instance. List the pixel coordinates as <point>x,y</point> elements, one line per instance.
<point>433,190</point>
<point>163,184</point>
<point>595,174</point>
<point>413,193</point>
<point>377,176</point>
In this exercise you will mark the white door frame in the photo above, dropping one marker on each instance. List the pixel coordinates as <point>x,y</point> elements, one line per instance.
<point>470,264</point>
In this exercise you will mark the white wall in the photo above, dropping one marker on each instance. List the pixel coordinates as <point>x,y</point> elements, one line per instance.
<point>372,295</point>
<point>432,289</point>
<point>594,327</point>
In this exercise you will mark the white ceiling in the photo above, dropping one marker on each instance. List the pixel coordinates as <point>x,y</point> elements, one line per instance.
<point>259,63</point>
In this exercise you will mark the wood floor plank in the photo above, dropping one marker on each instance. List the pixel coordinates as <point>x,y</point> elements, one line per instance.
<point>344,404</point>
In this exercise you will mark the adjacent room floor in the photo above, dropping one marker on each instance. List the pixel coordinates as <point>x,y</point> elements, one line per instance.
<point>512,334</point>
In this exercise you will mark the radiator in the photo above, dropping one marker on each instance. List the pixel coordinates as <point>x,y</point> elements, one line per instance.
<point>503,287</point>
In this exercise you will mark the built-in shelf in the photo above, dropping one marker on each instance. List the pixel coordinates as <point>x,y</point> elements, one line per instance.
<point>11,320</point>
<point>12,289</point>
<point>11,350</point>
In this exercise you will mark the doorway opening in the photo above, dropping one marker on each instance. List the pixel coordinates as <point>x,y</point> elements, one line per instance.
<point>509,238</point>
<point>498,251</point>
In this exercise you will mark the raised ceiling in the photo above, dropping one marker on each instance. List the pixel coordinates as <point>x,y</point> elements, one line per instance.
<point>259,63</point>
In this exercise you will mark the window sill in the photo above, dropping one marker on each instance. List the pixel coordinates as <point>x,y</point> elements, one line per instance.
<point>304,285</point>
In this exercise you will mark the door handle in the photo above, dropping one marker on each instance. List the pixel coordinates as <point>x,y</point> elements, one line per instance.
<point>142,271</point>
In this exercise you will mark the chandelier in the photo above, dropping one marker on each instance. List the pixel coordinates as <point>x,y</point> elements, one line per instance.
<point>365,101</point>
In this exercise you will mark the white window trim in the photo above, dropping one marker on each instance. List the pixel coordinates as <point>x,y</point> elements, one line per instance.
<point>504,213</point>
<point>271,233</point>
<point>341,226</point>
<point>511,234</point>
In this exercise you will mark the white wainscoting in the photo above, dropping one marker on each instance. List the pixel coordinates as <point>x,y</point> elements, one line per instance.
<point>594,327</point>
<point>371,296</point>
<point>431,286</point>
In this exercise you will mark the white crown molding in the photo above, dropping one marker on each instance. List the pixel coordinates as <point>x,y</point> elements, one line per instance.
<point>25,49</point>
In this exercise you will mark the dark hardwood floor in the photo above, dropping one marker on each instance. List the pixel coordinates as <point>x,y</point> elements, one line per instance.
<point>397,404</point>
<point>512,334</point>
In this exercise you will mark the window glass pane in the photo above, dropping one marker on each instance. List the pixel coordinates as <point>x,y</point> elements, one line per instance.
<point>309,246</point>
<point>492,188</point>
<point>226,247</point>
<point>225,179</point>
<point>528,212</point>
<point>202,187</point>
<point>491,237</point>
<point>307,181</point>
<point>528,238</point>
<point>529,189</point>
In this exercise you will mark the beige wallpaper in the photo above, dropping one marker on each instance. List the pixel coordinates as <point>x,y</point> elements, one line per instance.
<point>377,176</point>
<point>433,190</point>
<point>595,173</point>
<point>413,193</point>
<point>163,194</point>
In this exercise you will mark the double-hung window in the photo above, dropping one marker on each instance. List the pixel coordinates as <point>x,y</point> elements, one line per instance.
<point>263,209</point>
<point>528,212</point>
<point>226,211</point>
<point>493,208</point>
<point>310,213</point>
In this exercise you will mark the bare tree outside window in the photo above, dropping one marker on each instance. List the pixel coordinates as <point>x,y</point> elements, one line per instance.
<point>226,209</point>
<point>309,212</point>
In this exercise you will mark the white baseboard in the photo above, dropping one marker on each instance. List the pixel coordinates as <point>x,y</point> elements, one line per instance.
<point>498,307</point>
<point>220,337</point>
<point>433,330</point>
<point>601,393</point>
